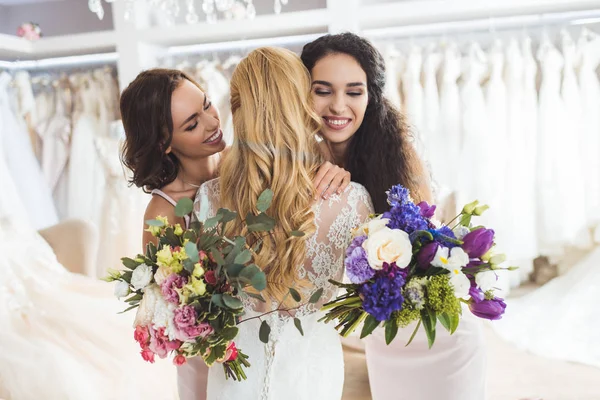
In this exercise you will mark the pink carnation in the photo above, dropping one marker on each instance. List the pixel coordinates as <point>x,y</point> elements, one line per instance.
<point>141,335</point>
<point>148,355</point>
<point>169,287</point>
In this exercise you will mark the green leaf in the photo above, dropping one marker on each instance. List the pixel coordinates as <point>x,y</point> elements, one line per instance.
<point>212,222</point>
<point>429,322</point>
<point>184,207</point>
<point>264,200</point>
<point>151,250</point>
<point>155,222</point>
<point>191,236</point>
<point>298,324</point>
<point>370,324</point>
<point>256,296</point>
<point>232,302</point>
<point>259,281</point>
<point>192,252</point>
<point>295,295</point>
<point>217,300</point>
<point>129,263</point>
<point>217,256</point>
<point>297,233</point>
<point>233,270</point>
<point>465,220</point>
<point>259,223</point>
<point>239,244</point>
<point>257,246</point>
<point>171,238</point>
<point>227,215</point>
<point>189,265</point>
<point>128,308</point>
<point>229,333</point>
<point>450,322</point>
<point>243,257</point>
<point>391,330</point>
<point>264,332</point>
<point>316,296</point>
<point>414,333</point>
<point>249,271</point>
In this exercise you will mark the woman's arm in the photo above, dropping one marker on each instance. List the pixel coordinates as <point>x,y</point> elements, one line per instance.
<point>158,207</point>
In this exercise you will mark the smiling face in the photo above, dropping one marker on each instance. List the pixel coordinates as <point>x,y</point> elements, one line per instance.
<point>340,97</point>
<point>196,123</point>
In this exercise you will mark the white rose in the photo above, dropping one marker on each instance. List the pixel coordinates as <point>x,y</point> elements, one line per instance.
<point>161,275</point>
<point>371,227</point>
<point>141,277</point>
<point>486,280</point>
<point>121,289</point>
<point>460,283</point>
<point>388,245</point>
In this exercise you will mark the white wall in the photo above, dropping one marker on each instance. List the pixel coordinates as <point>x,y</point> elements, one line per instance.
<point>55,18</point>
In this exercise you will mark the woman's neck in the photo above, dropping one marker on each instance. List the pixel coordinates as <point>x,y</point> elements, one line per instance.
<point>336,152</point>
<point>194,172</point>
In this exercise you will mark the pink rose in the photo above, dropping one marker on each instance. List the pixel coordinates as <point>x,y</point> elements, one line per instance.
<point>184,317</point>
<point>210,278</point>
<point>179,360</point>
<point>192,332</point>
<point>232,353</point>
<point>160,343</point>
<point>148,355</point>
<point>141,335</point>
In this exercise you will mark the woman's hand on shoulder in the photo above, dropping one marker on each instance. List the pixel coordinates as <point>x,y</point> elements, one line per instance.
<point>330,179</point>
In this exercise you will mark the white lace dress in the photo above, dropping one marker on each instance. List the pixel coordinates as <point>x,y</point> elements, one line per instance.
<point>291,366</point>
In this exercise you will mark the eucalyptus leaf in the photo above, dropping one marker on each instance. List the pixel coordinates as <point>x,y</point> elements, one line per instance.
<point>233,270</point>
<point>249,271</point>
<point>264,332</point>
<point>184,207</point>
<point>264,200</point>
<point>259,281</point>
<point>192,251</point>
<point>256,296</point>
<point>297,233</point>
<point>257,246</point>
<point>295,295</point>
<point>212,222</point>
<point>238,244</point>
<point>259,223</point>
<point>217,256</point>
<point>369,326</point>
<point>155,222</point>
<point>227,215</point>
<point>316,296</point>
<point>391,330</point>
<point>189,265</point>
<point>243,257</point>
<point>298,324</point>
<point>217,300</point>
<point>232,302</point>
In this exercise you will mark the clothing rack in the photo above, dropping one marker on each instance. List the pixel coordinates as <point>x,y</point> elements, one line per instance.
<point>87,60</point>
<point>491,25</point>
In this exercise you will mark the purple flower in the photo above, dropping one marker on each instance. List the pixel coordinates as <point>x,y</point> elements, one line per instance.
<point>488,309</point>
<point>357,266</point>
<point>384,295</point>
<point>426,254</point>
<point>398,195</point>
<point>442,234</point>
<point>169,287</point>
<point>476,294</point>
<point>406,217</point>
<point>478,242</point>
<point>427,211</point>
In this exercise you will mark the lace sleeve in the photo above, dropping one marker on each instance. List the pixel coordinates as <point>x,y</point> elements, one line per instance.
<point>206,202</point>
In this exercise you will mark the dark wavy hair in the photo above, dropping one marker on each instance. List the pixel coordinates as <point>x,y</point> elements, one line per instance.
<point>146,112</point>
<point>380,154</point>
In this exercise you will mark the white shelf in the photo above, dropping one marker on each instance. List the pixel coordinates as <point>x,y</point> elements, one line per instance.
<point>264,26</point>
<point>14,47</point>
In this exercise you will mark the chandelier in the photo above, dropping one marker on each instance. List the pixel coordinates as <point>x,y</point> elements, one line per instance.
<point>212,9</point>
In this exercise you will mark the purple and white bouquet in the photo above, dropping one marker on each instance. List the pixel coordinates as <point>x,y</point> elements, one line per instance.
<point>403,267</point>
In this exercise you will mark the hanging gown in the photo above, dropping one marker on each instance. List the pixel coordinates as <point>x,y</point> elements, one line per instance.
<point>448,140</point>
<point>412,89</point>
<point>570,171</point>
<point>589,48</point>
<point>471,174</point>
<point>392,86</point>
<point>22,163</point>
<point>520,242</point>
<point>551,134</point>
<point>431,100</point>
<point>86,175</point>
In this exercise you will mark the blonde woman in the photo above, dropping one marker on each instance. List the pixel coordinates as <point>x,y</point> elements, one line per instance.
<point>275,147</point>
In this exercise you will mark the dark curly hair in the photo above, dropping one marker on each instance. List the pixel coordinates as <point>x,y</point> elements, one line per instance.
<point>380,154</point>
<point>146,112</point>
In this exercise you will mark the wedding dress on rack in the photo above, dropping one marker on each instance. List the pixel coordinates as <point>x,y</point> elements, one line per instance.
<point>22,162</point>
<point>60,334</point>
<point>431,99</point>
<point>589,49</point>
<point>392,86</point>
<point>412,89</point>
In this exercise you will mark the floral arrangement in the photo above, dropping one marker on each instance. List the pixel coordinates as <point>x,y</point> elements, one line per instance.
<point>403,267</point>
<point>29,31</point>
<point>188,289</point>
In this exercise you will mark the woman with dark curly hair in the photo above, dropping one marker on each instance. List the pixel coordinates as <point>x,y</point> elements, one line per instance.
<point>363,133</point>
<point>174,142</point>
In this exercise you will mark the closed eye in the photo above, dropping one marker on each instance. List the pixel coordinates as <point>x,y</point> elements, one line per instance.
<point>192,127</point>
<point>208,105</point>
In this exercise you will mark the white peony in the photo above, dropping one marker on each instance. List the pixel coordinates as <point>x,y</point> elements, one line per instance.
<point>121,289</point>
<point>141,277</point>
<point>153,309</point>
<point>371,227</point>
<point>450,258</point>
<point>388,245</point>
<point>460,282</point>
<point>486,280</point>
